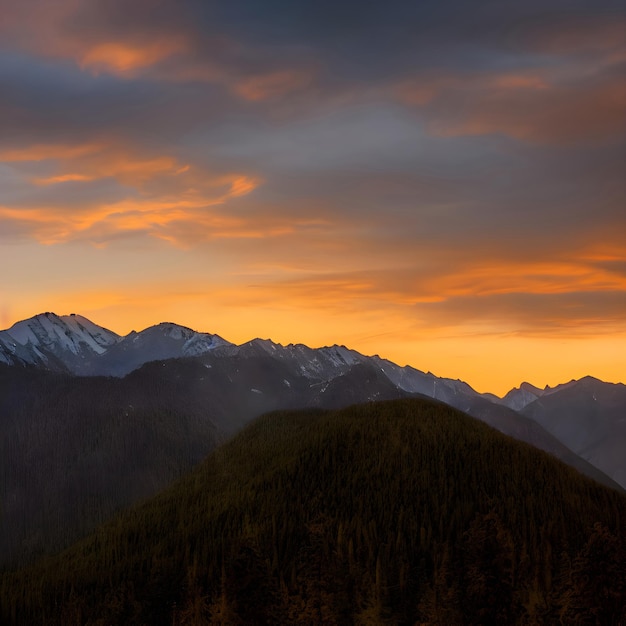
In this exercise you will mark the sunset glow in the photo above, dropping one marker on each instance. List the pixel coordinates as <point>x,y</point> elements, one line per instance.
<point>444,189</point>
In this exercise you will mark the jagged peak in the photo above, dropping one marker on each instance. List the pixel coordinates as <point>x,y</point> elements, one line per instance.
<point>526,386</point>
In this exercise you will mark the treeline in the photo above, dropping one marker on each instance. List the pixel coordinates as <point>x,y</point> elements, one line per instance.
<point>402,512</point>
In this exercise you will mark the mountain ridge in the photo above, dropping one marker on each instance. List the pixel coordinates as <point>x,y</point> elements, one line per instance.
<point>194,345</point>
<point>76,345</point>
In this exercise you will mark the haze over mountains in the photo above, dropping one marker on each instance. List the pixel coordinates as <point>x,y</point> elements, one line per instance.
<point>91,422</point>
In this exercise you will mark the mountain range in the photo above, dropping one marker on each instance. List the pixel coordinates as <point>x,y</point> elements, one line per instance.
<point>586,415</point>
<point>128,414</point>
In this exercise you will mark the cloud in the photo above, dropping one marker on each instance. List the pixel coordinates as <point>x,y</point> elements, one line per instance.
<point>272,85</point>
<point>43,152</point>
<point>155,192</point>
<point>583,35</point>
<point>542,107</point>
<point>150,43</point>
<point>560,115</point>
<point>127,59</point>
<point>427,88</point>
<point>562,85</point>
<point>568,293</point>
<point>178,221</point>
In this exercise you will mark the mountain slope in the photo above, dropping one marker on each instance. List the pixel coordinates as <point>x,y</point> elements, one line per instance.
<point>387,513</point>
<point>73,451</point>
<point>589,416</point>
<point>519,397</point>
<point>157,343</point>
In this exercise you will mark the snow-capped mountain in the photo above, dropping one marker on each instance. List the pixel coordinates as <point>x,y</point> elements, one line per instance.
<point>55,342</point>
<point>325,364</point>
<point>75,344</point>
<point>156,343</point>
<point>313,363</point>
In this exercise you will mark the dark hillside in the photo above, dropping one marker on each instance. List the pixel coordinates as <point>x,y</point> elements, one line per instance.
<point>73,451</point>
<point>387,513</point>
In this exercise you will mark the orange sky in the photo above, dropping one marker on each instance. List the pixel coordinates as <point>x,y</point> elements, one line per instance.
<point>451,197</point>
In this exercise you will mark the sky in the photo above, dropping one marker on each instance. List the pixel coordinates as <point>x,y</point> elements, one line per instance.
<point>439,183</point>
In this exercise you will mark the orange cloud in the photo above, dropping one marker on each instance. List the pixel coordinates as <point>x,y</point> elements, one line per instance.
<point>423,90</point>
<point>242,185</point>
<point>92,161</point>
<point>126,58</point>
<point>418,92</point>
<point>147,214</point>
<point>44,152</point>
<point>406,287</point>
<point>578,36</point>
<point>560,115</point>
<point>161,218</point>
<point>125,168</point>
<point>502,277</point>
<point>63,178</point>
<point>609,251</point>
<point>570,297</point>
<point>272,85</point>
<point>516,81</point>
<point>168,196</point>
<point>178,218</point>
<point>168,52</point>
<point>43,28</point>
<point>96,160</point>
<point>530,106</point>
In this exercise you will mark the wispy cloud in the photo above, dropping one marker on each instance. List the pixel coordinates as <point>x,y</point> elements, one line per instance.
<point>542,107</point>
<point>159,195</point>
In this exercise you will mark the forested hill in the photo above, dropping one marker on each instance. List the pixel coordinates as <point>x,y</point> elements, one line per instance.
<point>386,513</point>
